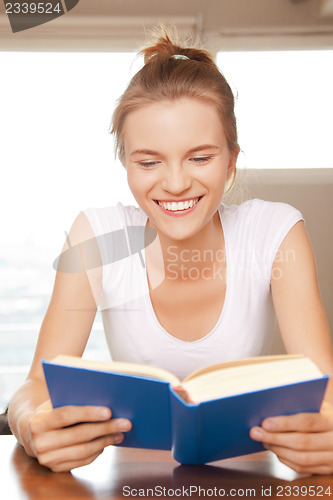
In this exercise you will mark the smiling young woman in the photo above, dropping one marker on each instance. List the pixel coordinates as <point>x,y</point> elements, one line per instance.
<point>205,290</point>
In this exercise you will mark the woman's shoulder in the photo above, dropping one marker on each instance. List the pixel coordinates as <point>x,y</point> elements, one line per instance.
<point>114,217</point>
<point>257,209</point>
<point>118,209</point>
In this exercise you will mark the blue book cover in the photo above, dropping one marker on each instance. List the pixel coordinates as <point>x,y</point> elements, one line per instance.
<point>144,401</point>
<point>196,433</point>
<point>221,427</point>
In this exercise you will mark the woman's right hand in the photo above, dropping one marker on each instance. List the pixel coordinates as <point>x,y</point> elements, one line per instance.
<point>71,436</point>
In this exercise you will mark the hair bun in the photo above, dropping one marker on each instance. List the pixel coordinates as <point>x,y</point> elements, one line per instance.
<point>164,43</point>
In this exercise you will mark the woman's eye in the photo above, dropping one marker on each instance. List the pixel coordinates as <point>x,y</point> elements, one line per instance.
<point>147,164</point>
<point>201,159</point>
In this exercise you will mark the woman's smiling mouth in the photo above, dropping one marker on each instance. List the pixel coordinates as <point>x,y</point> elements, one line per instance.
<point>174,207</point>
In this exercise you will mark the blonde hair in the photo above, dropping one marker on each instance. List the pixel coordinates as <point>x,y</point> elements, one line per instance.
<point>166,77</point>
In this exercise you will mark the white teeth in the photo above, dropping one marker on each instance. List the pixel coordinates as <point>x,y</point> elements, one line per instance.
<point>175,206</point>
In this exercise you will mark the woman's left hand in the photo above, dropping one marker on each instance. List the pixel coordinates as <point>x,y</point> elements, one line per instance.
<point>302,441</point>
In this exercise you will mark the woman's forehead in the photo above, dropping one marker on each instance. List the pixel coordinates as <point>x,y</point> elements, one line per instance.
<point>189,121</point>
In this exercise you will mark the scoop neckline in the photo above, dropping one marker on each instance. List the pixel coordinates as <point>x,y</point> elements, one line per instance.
<point>225,306</point>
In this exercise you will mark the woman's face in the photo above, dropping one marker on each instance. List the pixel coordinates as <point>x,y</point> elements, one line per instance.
<point>177,160</point>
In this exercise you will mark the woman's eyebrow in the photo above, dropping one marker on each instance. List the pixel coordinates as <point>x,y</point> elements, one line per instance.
<point>203,147</point>
<point>144,152</point>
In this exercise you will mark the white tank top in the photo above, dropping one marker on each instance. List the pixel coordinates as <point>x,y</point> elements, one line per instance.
<point>253,233</point>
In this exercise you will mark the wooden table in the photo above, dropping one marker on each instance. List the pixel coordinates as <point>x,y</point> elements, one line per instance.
<point>127,473</point>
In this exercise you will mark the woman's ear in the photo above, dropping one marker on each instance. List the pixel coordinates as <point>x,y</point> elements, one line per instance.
<point>232,162</point>
<point>121,155</point>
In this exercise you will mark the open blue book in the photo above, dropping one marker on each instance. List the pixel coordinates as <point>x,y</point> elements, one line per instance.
<point>203,418</point>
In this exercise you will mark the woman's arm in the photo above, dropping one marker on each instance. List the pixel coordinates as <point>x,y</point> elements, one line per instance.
<point>300,313</point>
<point>303,441</point>
<point>66,327</point>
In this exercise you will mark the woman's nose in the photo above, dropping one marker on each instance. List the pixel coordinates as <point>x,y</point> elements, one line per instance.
<point>175,179</point>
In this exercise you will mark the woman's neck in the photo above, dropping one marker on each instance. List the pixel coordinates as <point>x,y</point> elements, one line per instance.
<point>202,251</point>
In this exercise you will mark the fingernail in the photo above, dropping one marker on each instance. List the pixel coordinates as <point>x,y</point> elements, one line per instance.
<point>257,433</point>
<point>269,425</point>
<point>103,413</point>
<point>118,438</point>
<point>123,425</point>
